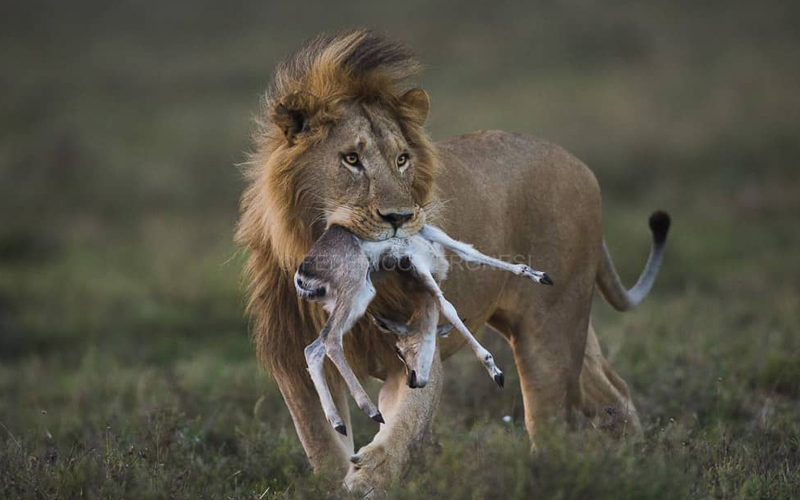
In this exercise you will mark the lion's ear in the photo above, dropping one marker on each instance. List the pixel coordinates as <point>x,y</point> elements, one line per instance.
<point>292,114</point>
<point>418,104</point>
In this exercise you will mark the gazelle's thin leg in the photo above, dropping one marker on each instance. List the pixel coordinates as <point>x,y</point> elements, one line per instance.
<point>342,320</point>
<point>315,359</point>
<point>470,254</point>
<point>449,312</point>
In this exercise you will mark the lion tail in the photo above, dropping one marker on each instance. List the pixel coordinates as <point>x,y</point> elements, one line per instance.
<point>608,280</point>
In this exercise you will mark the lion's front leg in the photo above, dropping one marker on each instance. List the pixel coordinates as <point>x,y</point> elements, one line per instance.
<point>409,416</point>
<point>327,450</point>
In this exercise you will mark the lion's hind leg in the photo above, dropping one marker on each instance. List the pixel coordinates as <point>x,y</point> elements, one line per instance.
<point>605,397</point>
<point>548,372</point>
<point>548,341</point>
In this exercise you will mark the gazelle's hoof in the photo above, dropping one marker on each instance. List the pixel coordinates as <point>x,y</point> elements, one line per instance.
<point>500,380</point>
<point>537,276</point>
<point>341,429</point>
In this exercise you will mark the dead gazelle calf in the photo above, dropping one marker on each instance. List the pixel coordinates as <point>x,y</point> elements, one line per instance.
<point>336,272</point>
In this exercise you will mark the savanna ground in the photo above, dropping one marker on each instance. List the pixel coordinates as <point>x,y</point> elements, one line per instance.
<point>126,369</point>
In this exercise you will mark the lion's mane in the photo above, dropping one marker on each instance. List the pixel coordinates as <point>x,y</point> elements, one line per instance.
<point>277,208</point>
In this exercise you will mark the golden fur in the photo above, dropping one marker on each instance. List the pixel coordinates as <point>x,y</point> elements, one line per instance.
<point>278,211</point>
<point>508,194</point>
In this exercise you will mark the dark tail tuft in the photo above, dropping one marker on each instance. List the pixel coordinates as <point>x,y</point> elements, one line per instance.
<point>659,224</point>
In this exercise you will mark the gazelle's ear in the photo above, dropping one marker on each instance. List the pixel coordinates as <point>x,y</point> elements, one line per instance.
<point>292,114</point>
<point>417,105</point>
<point>388,326</point>
<point>444,330</point>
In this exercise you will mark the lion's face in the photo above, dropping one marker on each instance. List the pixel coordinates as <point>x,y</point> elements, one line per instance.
<point>366,167</point>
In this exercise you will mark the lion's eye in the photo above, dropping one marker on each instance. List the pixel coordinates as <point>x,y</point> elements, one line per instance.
<point>351,159</point>
<point>402,160</point>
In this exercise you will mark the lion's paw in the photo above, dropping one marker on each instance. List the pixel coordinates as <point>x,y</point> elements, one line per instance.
<point>370,472</point>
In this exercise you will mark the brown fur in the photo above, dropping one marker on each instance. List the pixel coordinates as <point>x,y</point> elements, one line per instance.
<point>278,213</point>
<point>508,194</point>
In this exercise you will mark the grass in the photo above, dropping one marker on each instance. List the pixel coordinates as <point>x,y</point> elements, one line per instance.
<point>126,369</point>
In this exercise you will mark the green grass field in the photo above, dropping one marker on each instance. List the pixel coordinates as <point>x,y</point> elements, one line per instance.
<point>126,368</point>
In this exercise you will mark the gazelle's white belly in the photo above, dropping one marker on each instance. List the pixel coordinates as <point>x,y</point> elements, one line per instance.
<point>424,254</point>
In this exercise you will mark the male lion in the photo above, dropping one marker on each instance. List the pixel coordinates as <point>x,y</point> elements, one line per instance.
<point>342,142</point>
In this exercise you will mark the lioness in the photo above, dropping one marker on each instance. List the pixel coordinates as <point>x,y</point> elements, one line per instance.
<point>507,193</point>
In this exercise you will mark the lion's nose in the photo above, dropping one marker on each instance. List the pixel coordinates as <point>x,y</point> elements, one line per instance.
<point>396,218</point>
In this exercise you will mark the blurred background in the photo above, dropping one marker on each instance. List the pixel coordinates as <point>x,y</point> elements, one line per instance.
<point>126,368</point>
